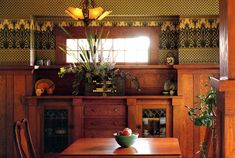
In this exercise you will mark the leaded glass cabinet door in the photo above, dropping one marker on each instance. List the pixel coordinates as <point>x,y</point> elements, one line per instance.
<point>55,130</point>
<point>155,120</point>
<point>56,127</point>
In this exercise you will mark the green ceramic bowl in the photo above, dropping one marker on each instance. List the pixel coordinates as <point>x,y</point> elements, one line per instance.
<point>126,141</point>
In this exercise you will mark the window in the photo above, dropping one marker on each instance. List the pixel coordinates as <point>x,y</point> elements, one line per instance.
<point>135,45</point>
<point>120,50</point>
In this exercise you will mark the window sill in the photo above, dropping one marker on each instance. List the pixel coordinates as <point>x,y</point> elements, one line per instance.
<point>129,66</point>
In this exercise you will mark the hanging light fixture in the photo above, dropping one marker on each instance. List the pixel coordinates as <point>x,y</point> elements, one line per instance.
<point>88,12</point>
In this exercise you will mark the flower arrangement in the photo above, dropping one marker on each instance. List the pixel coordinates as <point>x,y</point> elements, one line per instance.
<point>92,68</point>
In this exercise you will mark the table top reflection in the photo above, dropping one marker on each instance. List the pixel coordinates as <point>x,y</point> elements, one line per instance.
<point>108,147</point>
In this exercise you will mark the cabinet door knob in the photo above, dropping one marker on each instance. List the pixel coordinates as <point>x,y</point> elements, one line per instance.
<point>93,110</point>
<point>115,109</point>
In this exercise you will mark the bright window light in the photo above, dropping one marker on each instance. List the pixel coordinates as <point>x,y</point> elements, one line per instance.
<point>121,50</point>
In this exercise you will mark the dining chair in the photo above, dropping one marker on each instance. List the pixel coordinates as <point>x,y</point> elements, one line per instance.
<point>23,140</point>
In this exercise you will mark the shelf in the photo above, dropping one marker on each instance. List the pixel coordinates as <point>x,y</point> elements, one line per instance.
<point>127,66</point>
<point>135,66</point>
<point>16,67</point>
<point>196,66</point>
<point>104,97</point>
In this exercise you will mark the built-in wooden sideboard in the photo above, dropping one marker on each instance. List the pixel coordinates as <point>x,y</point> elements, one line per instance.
<point>18,100</point>
<point>94,116</point>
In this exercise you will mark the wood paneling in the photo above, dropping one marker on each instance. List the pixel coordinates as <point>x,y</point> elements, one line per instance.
<point>192,81</point>
<point>14,84</point>
<point>225,118</point>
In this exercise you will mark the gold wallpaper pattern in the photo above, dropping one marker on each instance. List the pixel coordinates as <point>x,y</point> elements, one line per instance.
<point>199,55</point>
<point>14,56</point>
<point>27,8</point>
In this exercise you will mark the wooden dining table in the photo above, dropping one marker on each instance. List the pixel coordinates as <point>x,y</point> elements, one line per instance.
<point>108,148</point>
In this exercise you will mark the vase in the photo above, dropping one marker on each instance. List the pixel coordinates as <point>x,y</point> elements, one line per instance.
<point>105,88</point>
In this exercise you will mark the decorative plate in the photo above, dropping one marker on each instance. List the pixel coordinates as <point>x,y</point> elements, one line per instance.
<point>44,84</point>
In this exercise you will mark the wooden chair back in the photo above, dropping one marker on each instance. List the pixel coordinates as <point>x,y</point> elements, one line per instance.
<point>23,140</point>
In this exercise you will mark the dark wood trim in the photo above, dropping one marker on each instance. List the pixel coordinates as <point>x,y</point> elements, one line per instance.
<point>196,66</point>
<point>18,67</point>
<point>105,97</point>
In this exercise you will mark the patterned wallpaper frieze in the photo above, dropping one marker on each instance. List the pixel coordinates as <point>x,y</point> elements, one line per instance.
<point>169,38</point>
<point>176,34</point>
<point>14,34</point>
<point>199,33</point>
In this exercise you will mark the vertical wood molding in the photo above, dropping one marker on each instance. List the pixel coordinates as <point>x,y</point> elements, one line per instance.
<point>3,87</point>
<point>33,115</point>
<point>225,86</point>
<point>77,114</point>
<point>132,111</point>
<point>227,39</point>
<point>185,129</point>
<point>176,103</point>
<point>10,113</point>
<point>226,119</point>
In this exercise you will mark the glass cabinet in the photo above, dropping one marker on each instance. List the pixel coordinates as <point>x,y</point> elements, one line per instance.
<point>55,130</point>
<point>155,120</point>
<point>55,125</point>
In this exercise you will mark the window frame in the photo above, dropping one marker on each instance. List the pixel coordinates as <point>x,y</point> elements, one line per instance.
<point>114,32</point>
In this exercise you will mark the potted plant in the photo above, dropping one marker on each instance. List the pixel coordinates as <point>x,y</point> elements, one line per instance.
<point>204,114</point>
<point>97,72</point>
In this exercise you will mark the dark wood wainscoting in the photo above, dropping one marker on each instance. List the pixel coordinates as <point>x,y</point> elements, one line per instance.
<point>15,82</point>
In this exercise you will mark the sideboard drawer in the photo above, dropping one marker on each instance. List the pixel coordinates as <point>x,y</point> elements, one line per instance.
<point>105,110</point>
<point>104,123</point>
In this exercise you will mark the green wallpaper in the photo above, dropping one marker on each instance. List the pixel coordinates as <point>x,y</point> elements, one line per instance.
<point>199,40</point>
<point>189,39</point>
<point>14,33</point>
<point>199,33</point>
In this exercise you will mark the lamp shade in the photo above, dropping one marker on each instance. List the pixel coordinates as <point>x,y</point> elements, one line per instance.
<point>106,13</point>
<point>88,12</point>
<point>75,13</point>
<point>94,13</point>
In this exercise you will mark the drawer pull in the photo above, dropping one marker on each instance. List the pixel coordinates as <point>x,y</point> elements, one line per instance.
<point>116,110</point>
